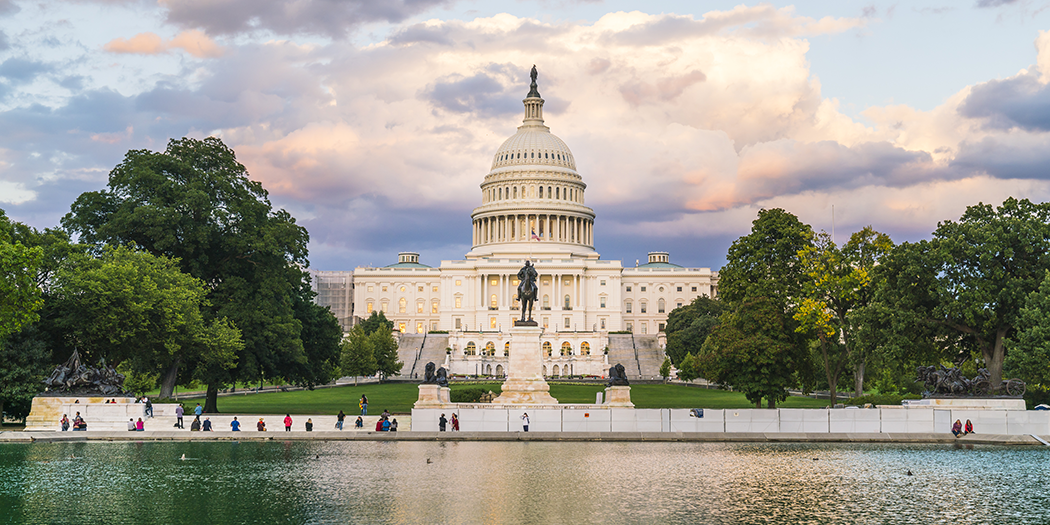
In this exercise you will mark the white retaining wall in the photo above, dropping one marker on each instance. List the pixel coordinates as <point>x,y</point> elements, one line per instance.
<point>788,420</point>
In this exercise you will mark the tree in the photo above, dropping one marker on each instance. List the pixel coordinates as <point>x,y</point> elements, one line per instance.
<point>1029,349</point>
<point>688,327</point>
<point>839,281</point>
<point>967,286</point>
<point>195,203</point>
<point>753,350</point>
<point>385,348</point>
<point>376,321</point>
<point>24,364</point>
<point>320,334</point>
<point>665,368</point>
<point>765,262</point>
<point>130,306</point>
<point>687,369</point>
<point>19,293</point>
<point>358,357</point>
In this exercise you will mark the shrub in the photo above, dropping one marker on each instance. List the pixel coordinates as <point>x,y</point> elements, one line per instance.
<point>882,399</point>
<point>466,395</point>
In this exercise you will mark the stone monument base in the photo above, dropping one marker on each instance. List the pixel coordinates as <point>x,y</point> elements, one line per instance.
<point>618,396</point>
<point>47,412</point>
<point>433,396</point>
<point>525,384</point>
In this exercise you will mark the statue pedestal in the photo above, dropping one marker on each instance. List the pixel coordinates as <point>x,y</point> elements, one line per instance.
<point>618,396</point>
<point>525,384</point>
<point>432,396</point>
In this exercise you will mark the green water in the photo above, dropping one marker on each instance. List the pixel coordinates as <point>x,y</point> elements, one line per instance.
<point>513,482</point>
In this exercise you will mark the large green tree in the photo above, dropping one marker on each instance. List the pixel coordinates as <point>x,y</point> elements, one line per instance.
<point>385,348</point>
<point>358,355</point>
<point>22,360</point>
<point>131,306</point>
<point>839,282</point>
<point>1029,349</point>
<point>754,350</point>
<point>966,287</point>
<point>688,327</point>
<point>195,202</point>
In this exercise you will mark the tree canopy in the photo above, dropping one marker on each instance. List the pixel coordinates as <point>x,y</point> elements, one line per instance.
<point>688,327</point>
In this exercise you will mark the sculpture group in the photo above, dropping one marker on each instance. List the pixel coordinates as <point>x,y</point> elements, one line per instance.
<point>950,382</point>
<point>75,378</point>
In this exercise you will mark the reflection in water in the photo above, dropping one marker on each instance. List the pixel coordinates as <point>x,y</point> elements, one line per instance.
<point>514,482</point>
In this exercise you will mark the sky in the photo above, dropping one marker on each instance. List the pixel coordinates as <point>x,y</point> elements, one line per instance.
<point>374,123</point>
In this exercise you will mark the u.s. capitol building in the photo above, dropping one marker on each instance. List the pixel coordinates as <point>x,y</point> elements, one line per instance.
<point>532,208</point>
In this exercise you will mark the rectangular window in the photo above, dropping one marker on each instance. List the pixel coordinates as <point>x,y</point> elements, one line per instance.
<point>459,323</point>
<point>679,305</point>
<point>661,327</point>
<point>435,289</point>
<point>434,307</point>
<point>694,288</point>
<point>458,282</point>
<point>628,307</point>
<point>419,308</point>
<point>679,288</point>
<point>459,302</point>
<point>630,327</point>
<point>421,289</point>
<point>433,325</point>
<point>546,322</point>
<point>384,288</point>
<point>370,287</point>
<point>643,288</point>
<point>401,327</point>
<point>567,321</point>
<point>368,307</point>
<point>628,288</point>
<point>601,301</point>
<point>643,307</point>
<point>603,282</point>
<point>419,328</point>
<point>645,328</point>
<point>492,323</point>
<point>602,323</point>
<point>493,282</point>
<point>383,307</point>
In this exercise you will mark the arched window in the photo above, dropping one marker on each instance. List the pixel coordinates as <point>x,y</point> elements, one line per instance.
<point>568,305</point>
<point>384,307</point>
<point>402,304</point>
<point>419,307</point>
<point>541,192</point>
<point>490,348</point>
<point>506,349</point>
<point>471,349</point>
<point>661,306</point>
<point>546,302</point>
<point>566,348</point>
<point>585,348</point>
<point>492,301</point>
<point>547,348</point>
<point>515,192</point>
<point>557,193</point>
<point>627,307</point>
<point>501,193</point>
<point>643,306</point>
<point>434,307</point>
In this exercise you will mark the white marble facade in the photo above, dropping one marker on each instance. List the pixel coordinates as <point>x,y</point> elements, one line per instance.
<point>532,207</point>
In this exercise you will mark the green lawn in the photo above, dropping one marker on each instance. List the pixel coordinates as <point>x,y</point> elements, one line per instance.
<point>399,397</point>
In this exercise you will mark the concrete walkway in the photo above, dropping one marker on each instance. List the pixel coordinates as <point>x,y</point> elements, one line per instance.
<point>371,435</point>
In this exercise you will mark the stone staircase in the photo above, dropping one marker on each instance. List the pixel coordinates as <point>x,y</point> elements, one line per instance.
<point>650,356</point>
<point>621,350</point>
<point>433,352</point>
<point>408,348</point>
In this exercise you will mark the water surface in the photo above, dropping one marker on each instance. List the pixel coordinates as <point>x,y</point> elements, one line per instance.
<point>515,482</point>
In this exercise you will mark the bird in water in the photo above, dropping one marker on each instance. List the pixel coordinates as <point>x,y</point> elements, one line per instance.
<point>428,461</point>
<point>909,472</point>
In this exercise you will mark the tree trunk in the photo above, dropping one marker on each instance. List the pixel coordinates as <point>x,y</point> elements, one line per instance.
<point>833,377</point>
<point>770,403</point>
<point>211,405</point>
<point>758,404</point>
<point>1,413</point>
<point>167,381</point>
<point>993,360</point>
<point>858,379</point>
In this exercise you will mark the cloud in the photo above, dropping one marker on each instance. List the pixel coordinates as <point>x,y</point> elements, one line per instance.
<point>8,7</point>
<point>22,71</point>
<point>193,42</point>
<point>4,45</point>
<point>982,4</point>
<point>318,17</point>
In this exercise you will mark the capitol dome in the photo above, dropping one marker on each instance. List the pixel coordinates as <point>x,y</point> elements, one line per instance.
<point>533,198</point>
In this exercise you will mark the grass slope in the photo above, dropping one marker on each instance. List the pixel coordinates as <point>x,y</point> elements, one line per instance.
<point>399,397</point>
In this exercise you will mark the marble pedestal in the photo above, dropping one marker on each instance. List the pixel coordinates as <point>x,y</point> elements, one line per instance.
<point>618,396</point>
<point>433,396</point>
<point>525,384</point>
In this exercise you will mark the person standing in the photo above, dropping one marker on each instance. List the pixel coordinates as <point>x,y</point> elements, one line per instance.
<point>235,426</point>
<point>339,420</point>
<point>287,422</point>
<point>260,426</point>
<point>525,421</point>
<point>309,425</point>
<point>178,416</point>
<point>385,414</point>
<point>442,422</point>
<point>149,406</point>
<point>455,423</point>
<point>65,422</point>
<point>363,403</point>
<point>206,426</point>
<point>198,411</point>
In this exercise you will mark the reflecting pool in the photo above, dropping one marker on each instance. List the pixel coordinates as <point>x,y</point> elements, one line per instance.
<point>520,482</point>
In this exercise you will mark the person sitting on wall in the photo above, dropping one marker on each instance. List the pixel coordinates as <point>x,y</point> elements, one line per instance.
<point>957,428</point>
<point>969,427</point>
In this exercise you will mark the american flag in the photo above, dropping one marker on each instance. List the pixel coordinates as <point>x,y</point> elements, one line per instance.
<point>534,236</point>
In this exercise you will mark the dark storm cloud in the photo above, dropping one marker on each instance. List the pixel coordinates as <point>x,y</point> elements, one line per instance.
<point>481,94</point>
<point>1006,158</point>
<point>1021,102</point>
<point>21,71</point>
<point>332,18</point>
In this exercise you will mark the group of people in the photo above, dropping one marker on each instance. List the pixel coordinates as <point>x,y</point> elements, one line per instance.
<point>443,423</point>
<point>384,424</point>
<point>959,430</point>
<point>78,423</point>
<point>149,405</point>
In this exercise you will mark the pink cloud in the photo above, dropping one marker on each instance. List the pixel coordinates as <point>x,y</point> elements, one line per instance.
<point>194,42</point>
